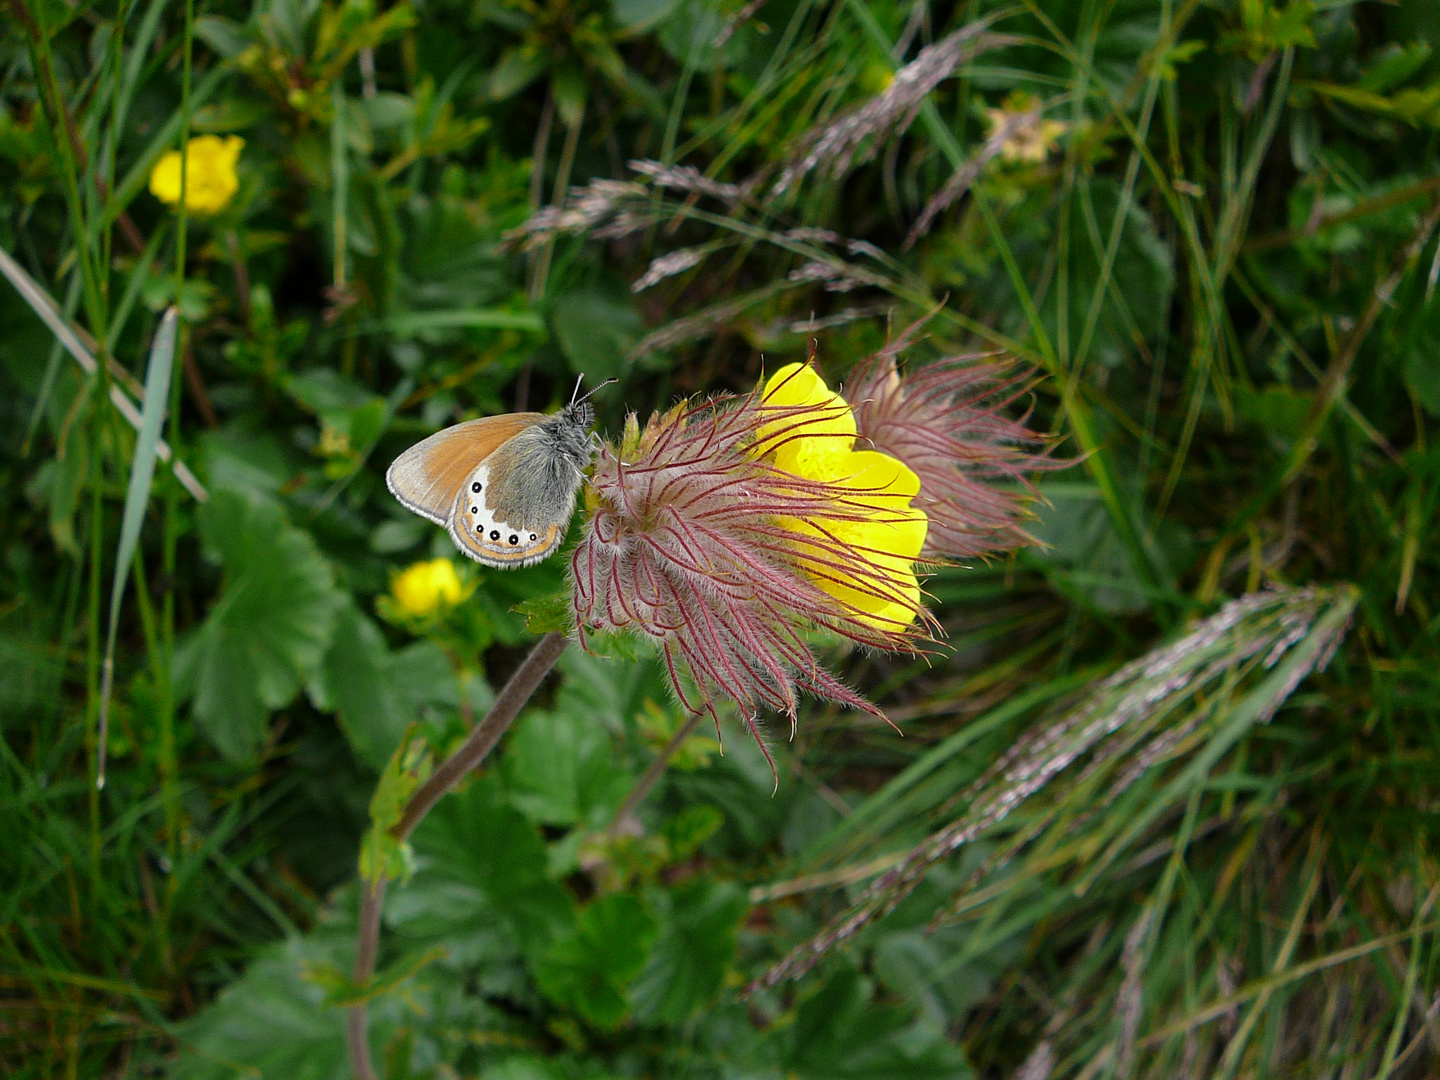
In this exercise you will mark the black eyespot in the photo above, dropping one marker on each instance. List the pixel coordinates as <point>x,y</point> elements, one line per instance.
<point>514,539</point>
<point>494,534</point>
<point>532,536</point>
<point>474,509</point>
<point>475,486</point>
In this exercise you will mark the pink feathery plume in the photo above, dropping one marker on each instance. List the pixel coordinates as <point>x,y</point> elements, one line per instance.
<point>685,544</point>
<point>944,420</point>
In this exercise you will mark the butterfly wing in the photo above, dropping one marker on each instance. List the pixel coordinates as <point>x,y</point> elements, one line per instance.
<point>429,476</point>
<point>482,534</point>
<point>514,506</point>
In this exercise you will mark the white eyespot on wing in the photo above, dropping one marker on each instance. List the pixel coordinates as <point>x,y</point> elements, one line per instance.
<point>482,536</point>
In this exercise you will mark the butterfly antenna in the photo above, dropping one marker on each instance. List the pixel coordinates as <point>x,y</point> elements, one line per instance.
<point>578,380</point>
<point>593,392</point>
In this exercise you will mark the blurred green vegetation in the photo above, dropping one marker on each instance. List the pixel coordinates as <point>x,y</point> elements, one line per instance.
<point>1218,251</point>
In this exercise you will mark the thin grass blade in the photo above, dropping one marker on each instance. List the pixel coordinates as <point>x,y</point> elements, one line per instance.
<point>137,495</point>
<point>1286,634</point>
<point>44,306</point>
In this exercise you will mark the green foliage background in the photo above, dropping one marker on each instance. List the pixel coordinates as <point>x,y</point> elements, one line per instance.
<point>1225,275</point>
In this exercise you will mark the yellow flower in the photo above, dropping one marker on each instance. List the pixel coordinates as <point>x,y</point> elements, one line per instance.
<point>1030,137</point>
<point>424,588</point>
<point>891,533</point>
<point>210,180</point>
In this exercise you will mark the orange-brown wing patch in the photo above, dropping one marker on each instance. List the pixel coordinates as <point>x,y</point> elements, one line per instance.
<point>501,552</point>
<point>428,476</point>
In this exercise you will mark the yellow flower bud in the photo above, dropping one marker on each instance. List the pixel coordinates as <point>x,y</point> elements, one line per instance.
<point>424,588</point>
<point>210,180</point>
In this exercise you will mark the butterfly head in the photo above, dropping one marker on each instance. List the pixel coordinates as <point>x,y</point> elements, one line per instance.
<point>569,434</point>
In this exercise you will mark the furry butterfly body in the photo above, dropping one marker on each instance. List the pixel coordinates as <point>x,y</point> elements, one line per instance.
<point>504,486</point>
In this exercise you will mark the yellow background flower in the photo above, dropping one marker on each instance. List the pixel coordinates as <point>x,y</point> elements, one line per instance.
<point>423,588</point>
<point>1031,138</point>
<point>882,488</point>
<point>210,180</point>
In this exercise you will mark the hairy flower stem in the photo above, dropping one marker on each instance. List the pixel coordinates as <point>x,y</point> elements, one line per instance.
<point>456,767</point>
<point>357,1038</point>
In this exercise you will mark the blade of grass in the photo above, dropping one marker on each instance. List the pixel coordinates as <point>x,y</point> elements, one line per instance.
<point>880,810</point>
<point>138,274</point>
<point>1333,385</point>
<point>1407,994</point>
<point>1073,405</point>
<point>43,306</point>
<point>1274,981</point>
<point>52,368</point>
<point>412,322</point>
<point>165,139</point>
<point>137,497</point>
<point>1237,719</point>
<point>1314,861</point>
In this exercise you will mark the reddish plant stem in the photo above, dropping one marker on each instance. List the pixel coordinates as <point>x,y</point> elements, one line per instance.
<point>196,382</point>
<point>456,767</point>
<point>651,776</point>
<point>366,948</point>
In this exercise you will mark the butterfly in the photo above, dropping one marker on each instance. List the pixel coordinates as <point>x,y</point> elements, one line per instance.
<point>504,486</point>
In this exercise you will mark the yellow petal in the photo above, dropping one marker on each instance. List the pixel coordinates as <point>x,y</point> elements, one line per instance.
<point>812,445</point>
<point>210,180</point>
<point>423,588</point>
<point>876,521</point>
<point>165,178</point>
<point>881,478</point>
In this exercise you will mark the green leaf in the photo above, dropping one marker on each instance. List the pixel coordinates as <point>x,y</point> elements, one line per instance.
<point>480,879</point>
<point>570,86</point>
<point>58,484</point>
<point>920,967</point>
<point>226,37</point>
<point>268,631</point>
<point>589,969</point>
<point>388,109</point>
<point>517,69</point>
<point>241,459</point>
<point>1087,555</point>
<point>637,16</point>
<point>546,613</point>
<point>1422,357</point>
<point>341,991</point>
<point>275,1020</point>
<point>694,950</point>
<point>1394,64</point>
<point>596,327</point>
<point>840,1035</point>
<point>381,854</point>
<point>687,830</point>
<point>610,692</point>
<point>325,391</point>
<point>379,693</point>
<point>689,33</point>
<point>272,1020</point>
<point>561,769</point>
